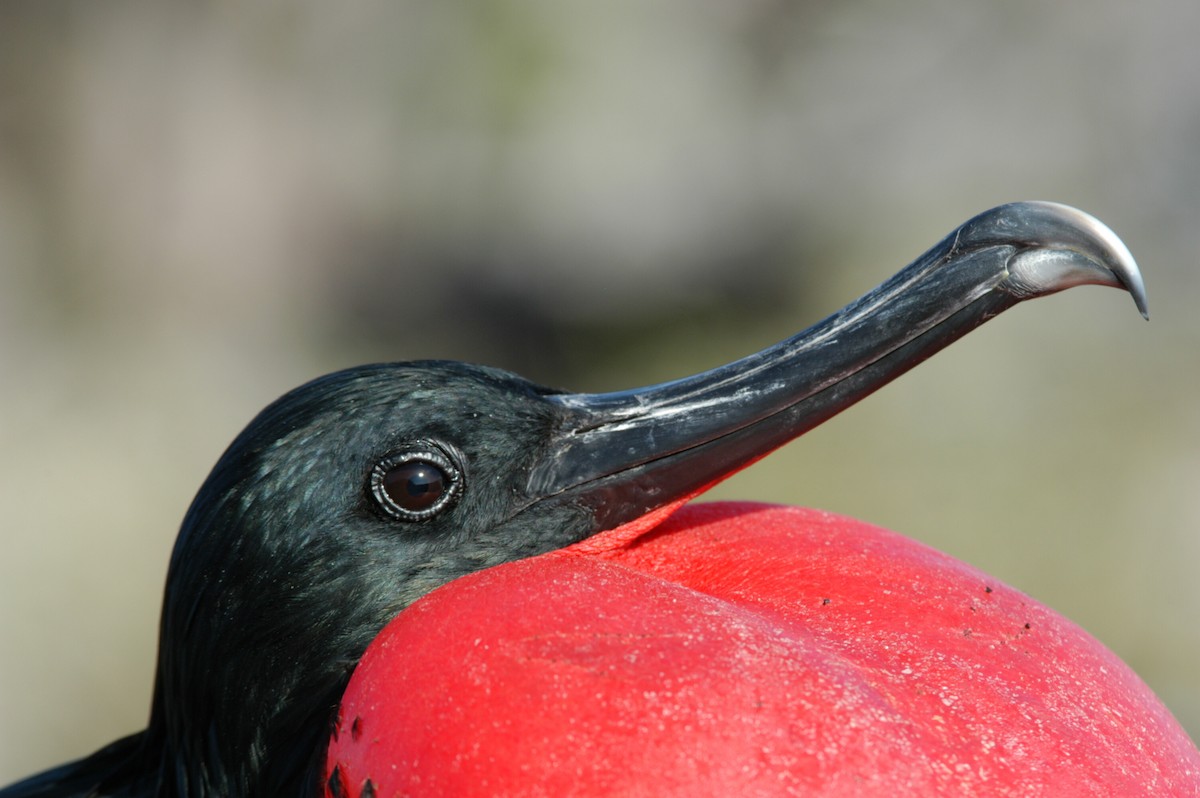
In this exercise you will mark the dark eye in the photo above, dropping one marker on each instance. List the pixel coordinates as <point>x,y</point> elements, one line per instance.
<point>415,484</point>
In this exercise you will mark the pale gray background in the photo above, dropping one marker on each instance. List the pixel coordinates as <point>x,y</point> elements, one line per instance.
<point>203,204</point>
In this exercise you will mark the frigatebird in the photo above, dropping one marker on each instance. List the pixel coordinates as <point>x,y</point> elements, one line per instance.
<point>351,496</point>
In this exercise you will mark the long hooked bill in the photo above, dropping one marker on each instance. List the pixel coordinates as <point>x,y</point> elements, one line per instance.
<point>623,454</point>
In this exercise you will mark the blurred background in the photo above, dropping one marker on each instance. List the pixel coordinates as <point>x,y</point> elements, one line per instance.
<point>204,204</point>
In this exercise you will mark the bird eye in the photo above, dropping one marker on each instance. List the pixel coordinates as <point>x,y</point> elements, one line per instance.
<point>415,484</point>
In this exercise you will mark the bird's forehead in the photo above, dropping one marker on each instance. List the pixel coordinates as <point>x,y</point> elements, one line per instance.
<point>355,414</point>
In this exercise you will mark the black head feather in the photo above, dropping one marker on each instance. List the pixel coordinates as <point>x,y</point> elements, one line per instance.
<point>287,564</point>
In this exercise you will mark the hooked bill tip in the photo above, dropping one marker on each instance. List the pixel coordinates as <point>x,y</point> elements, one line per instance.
<point>1106,247</point>
<point>1065,247</point>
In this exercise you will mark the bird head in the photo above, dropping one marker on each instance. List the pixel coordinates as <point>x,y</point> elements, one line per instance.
<point>350,497</point>
<point>341,503</point>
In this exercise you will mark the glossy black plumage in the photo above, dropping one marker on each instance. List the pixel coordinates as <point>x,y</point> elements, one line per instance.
<point>288,564</point>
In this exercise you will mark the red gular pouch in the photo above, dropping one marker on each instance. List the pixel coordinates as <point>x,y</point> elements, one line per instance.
<point>749,650</point>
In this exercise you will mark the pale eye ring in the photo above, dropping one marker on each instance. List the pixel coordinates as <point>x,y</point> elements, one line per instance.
<point>415,483</point>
